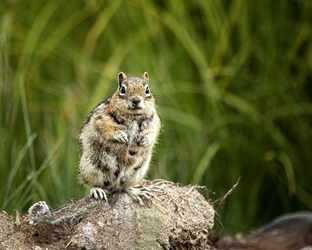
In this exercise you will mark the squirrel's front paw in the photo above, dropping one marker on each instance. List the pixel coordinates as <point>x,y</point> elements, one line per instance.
<point>98,193</point>
<point>136,193</point>
<point>121,137</point>
<point>145,141</point>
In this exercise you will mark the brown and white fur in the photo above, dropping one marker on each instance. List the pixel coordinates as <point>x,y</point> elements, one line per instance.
<point>117,138</point>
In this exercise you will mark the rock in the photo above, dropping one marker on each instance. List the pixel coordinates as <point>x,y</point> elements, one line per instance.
<point>301,221</point>
<point>286,232</point>
<point>177,218</point>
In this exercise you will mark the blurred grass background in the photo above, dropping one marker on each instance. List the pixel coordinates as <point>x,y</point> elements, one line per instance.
<point>232,81</point>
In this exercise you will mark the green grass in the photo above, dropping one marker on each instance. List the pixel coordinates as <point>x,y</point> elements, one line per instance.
<point>232,81</point>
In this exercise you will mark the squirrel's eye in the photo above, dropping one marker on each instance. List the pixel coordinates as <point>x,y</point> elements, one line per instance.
<point>147,91</point>
<point>122,90</point>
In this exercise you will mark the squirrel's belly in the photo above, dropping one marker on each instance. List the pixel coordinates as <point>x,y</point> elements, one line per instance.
<point>122,166</point>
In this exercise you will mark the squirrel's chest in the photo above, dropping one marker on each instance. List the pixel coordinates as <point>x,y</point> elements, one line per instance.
<point>133,131</point>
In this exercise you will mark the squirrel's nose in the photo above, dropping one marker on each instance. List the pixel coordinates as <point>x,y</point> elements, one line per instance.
<point>136,100</point>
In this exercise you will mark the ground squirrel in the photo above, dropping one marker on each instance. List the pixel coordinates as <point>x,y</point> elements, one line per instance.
<point>117,138</point>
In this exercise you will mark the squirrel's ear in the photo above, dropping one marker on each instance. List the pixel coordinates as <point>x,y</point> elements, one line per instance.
<point>121,78</point>
<point>145,76</point>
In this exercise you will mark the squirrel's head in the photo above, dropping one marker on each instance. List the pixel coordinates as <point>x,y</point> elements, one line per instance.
<point>133,95</point>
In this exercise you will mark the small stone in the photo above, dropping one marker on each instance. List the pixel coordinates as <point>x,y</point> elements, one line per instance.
<point>38,209</point>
